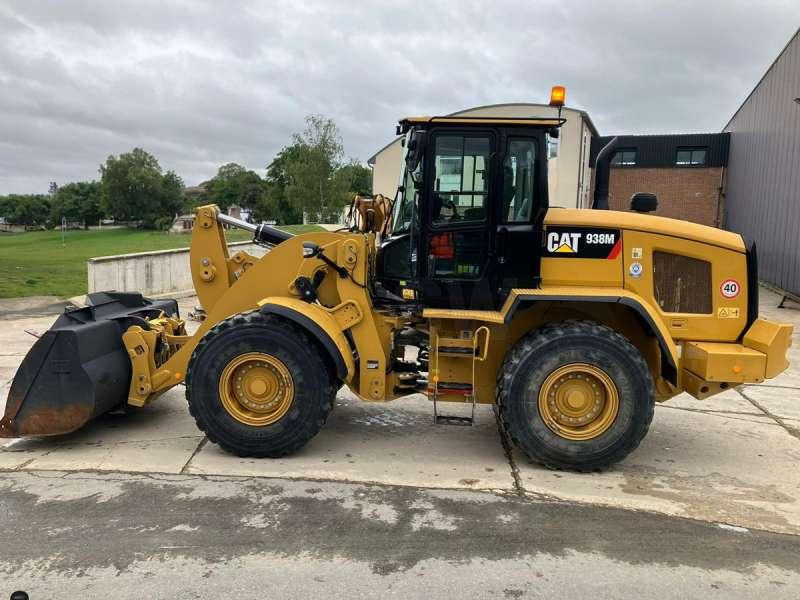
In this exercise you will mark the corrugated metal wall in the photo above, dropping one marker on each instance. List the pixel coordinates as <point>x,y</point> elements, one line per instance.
<point>762,200</point>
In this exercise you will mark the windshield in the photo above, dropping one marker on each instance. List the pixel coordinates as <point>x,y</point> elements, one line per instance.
<point>405,208</point>
<point>405,211</point>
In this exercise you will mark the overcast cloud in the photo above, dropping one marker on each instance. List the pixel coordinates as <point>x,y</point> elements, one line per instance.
<point>199,84</point>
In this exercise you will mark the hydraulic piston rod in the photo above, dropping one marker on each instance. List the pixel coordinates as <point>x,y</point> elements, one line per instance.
<point>262,233</point>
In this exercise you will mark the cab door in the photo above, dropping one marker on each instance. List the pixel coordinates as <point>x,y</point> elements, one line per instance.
<point>521,204</point>
<point>458,231</point>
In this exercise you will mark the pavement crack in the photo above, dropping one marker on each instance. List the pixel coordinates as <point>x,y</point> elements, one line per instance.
<point>771,385</point>
<point>791,430</point>
<point>507,450</point>
<point>731,416</point>
<point>711,411</point>
<point>25,464</point>
<point>200,446</point>
<point>149,441</point>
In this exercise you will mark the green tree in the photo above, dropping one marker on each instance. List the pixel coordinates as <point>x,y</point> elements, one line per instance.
<point>308,176</point>
<point>5,208</point>
<point>353,178</point>
<point>134,188</point>
<point>79,201</point>
<point>275,204</point>
<point>312,186</point>
<point>234,184</point>
<point>25,209</point>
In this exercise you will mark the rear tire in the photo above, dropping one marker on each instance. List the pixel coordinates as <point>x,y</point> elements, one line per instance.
<point>296,380</point>
<point>595,369</point>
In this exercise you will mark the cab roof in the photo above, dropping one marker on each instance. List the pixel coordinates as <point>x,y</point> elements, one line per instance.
<point>477,120</point>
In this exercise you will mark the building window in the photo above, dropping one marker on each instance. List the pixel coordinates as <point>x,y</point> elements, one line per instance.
<point>691,157</point>
<point>624,158</point>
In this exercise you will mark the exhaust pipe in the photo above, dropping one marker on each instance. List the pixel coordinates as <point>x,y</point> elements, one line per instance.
<point>602,174</point>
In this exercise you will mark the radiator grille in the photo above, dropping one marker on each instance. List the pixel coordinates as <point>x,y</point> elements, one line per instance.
<point>682,284</point>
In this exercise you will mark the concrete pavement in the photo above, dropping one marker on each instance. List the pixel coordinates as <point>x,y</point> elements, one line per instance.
<point>116,535</point>
<point>728,464</point>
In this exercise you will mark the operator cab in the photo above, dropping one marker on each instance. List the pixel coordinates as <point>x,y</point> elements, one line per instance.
<point>467,221</point>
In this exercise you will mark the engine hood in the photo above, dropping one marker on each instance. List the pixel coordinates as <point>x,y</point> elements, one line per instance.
<point>645,223</point>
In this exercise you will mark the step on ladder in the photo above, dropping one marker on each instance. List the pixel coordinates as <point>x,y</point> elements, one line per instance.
<point>465,349</point>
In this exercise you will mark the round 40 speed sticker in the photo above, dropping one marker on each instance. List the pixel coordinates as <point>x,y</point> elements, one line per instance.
<point>730,288</point>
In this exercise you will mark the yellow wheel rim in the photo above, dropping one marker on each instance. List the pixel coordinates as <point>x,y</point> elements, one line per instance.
<point>256,389</point>
<point>578,401</point>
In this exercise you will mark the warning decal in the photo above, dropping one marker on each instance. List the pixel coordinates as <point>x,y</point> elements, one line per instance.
<point>582,242</point>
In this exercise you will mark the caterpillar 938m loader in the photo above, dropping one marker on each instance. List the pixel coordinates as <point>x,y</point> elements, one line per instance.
<point>573,322</point>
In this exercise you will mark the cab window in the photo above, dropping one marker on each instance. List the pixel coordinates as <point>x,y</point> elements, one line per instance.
<point>518,181</point>
<point>461,176</point>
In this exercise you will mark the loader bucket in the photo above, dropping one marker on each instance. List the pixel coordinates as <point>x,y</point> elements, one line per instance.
<point>79,368</point>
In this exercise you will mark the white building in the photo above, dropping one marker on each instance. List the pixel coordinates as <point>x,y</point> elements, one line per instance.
<point>569,177</point>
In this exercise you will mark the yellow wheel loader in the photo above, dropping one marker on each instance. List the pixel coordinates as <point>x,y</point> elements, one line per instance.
<point>572,322</point>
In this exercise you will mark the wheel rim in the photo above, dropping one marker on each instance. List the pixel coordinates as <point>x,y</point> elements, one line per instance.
<point>256,389</point>
<point>578,401</point>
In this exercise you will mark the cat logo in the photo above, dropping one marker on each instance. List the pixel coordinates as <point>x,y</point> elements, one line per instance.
<point>563,243</point>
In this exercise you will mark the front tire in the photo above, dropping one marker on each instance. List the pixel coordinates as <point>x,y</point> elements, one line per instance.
<point>575,395</point>
<point>258,386</point>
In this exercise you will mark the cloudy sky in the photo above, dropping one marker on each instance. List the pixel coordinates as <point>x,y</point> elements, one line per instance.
<point>199,83</point>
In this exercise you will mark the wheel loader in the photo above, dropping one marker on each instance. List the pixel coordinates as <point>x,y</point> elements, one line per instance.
<point>471,290</point>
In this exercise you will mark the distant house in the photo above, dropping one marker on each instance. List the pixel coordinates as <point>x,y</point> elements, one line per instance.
<point>6,227</point>
<point>182,224</point>
<point>237,212</point>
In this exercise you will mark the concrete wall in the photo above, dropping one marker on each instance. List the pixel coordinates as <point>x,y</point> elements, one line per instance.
<point>568,181</point>
<point>159,272</point>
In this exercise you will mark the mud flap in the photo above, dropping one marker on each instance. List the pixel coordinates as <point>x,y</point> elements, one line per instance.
<point>79,368</point>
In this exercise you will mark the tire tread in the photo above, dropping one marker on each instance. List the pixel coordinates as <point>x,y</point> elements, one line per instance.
<point>255,317</point>
<point>530,344</point>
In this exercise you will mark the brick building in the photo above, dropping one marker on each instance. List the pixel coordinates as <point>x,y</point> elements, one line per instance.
<point>685,171</point>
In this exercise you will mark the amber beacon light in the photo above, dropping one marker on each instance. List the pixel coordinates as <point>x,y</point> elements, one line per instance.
<point>558,95</point>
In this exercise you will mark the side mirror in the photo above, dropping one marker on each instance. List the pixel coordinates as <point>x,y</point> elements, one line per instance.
<point>643,202</point>
<point>310,249</point>
<point>416,148</point>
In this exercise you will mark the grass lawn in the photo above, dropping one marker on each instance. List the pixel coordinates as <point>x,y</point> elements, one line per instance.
<point>37,264</point>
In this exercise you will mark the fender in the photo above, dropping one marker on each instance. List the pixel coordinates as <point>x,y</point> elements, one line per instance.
<point>669,350</point>
<point>320,325</point>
